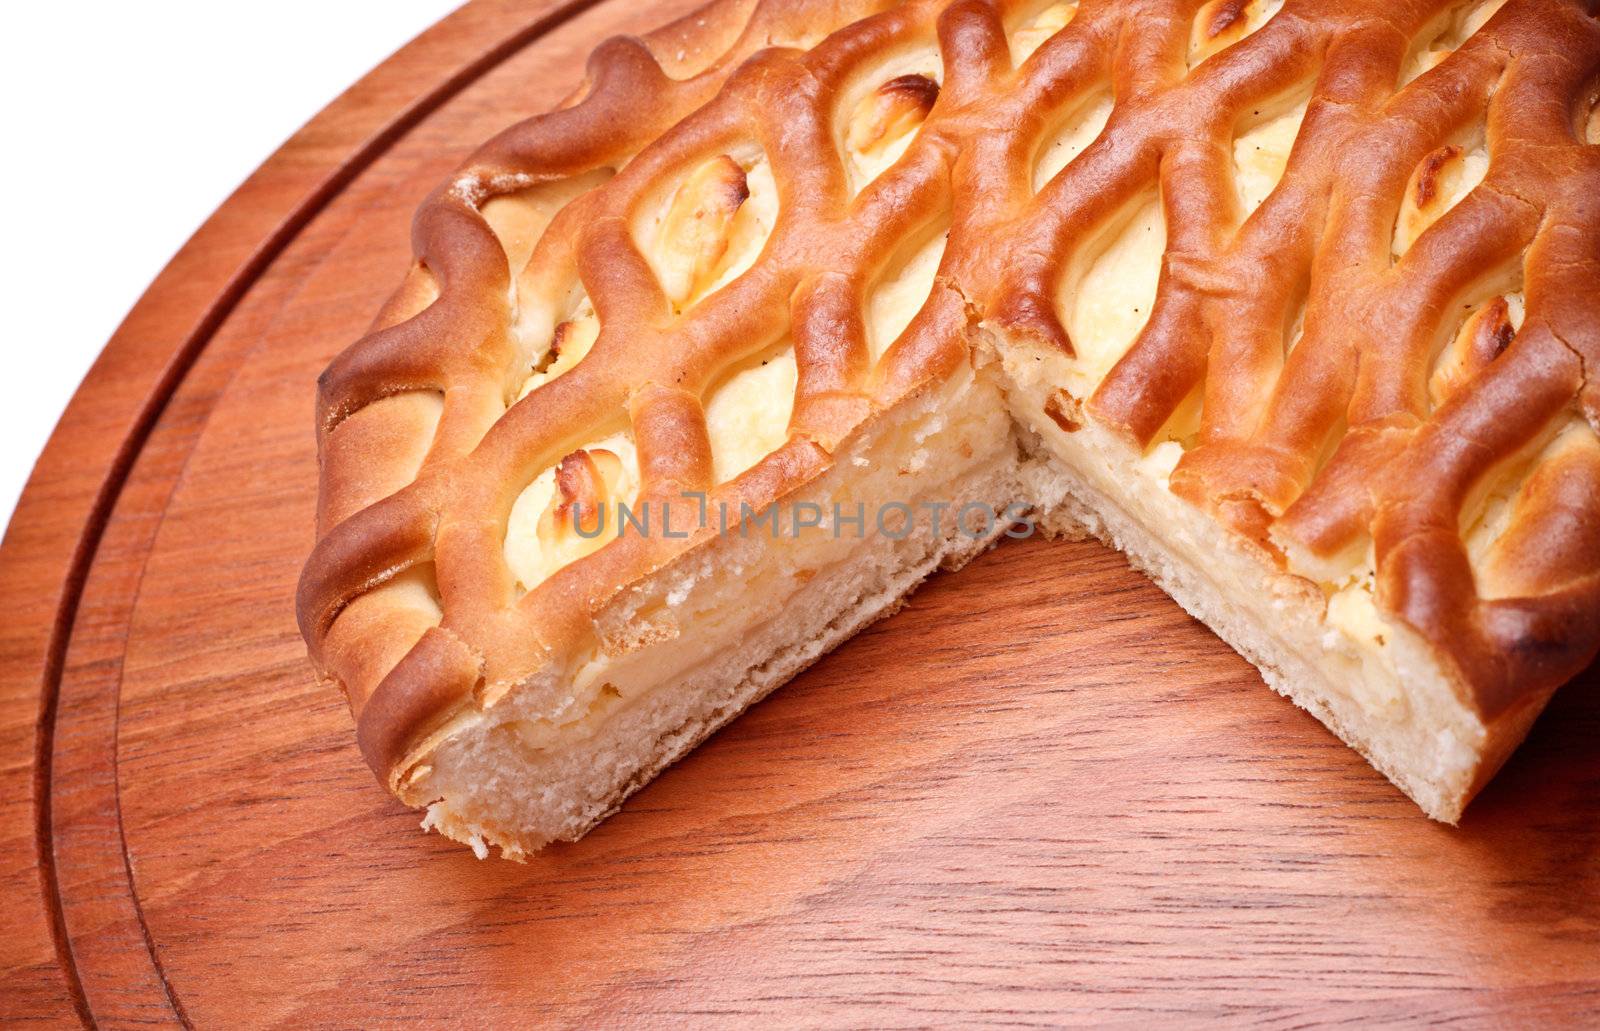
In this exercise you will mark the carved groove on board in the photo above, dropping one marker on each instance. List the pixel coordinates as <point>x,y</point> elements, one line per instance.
<point>553,16</point>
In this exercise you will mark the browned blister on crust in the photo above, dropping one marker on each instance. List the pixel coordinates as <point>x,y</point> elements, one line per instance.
<point>1391,337</point>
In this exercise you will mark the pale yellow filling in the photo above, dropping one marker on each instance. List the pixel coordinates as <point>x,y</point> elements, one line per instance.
<point>748,415</point>
<point>1071,139</point>
<point>1486,514</point>
<point>866,166</point>
<point>1485,535</point>
<point>1447,33</point>
<point>1109,303</point>
<point>867,157</point>
<point>576,341</point>
<point>533,555</point>
<point>1454,179</point>
<point>902,294</point>
<point>1159,462</point>
<point>519,219</point>
<point>1038,30</point>
<point>1364,633</point>
<point>1203,42</point>
<point>415,589</point>
<point>1261,153</point>
<point>744,235</point>
<point>757,216</point>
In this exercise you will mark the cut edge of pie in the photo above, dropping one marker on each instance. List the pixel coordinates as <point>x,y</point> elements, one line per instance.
<point>1320,373</point>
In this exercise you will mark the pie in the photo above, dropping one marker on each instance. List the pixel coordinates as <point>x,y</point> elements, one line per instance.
<point>796,301</point>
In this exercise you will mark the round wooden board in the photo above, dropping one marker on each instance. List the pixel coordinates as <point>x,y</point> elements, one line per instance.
<point>1041,794</point>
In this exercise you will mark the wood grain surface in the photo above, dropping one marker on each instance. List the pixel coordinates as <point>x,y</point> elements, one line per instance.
<point>1039,795</point>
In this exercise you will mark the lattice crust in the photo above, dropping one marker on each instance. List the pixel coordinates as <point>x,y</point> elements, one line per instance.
<point>1368,361</point>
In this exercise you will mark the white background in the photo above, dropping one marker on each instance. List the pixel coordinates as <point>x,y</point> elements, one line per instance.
<point>126,125</point>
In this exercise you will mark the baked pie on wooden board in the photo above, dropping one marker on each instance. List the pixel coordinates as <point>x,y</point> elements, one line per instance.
<point>1293,302</point>
<point>1039,791</point>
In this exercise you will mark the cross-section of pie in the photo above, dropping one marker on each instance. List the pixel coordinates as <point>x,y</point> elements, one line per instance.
<point>796,301</point>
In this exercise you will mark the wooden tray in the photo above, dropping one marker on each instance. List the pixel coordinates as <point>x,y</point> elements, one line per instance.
<point>1040,794</point>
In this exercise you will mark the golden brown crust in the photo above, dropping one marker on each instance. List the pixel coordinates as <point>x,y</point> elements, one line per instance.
<point>1355,382</point>
<point>1316,446</point>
